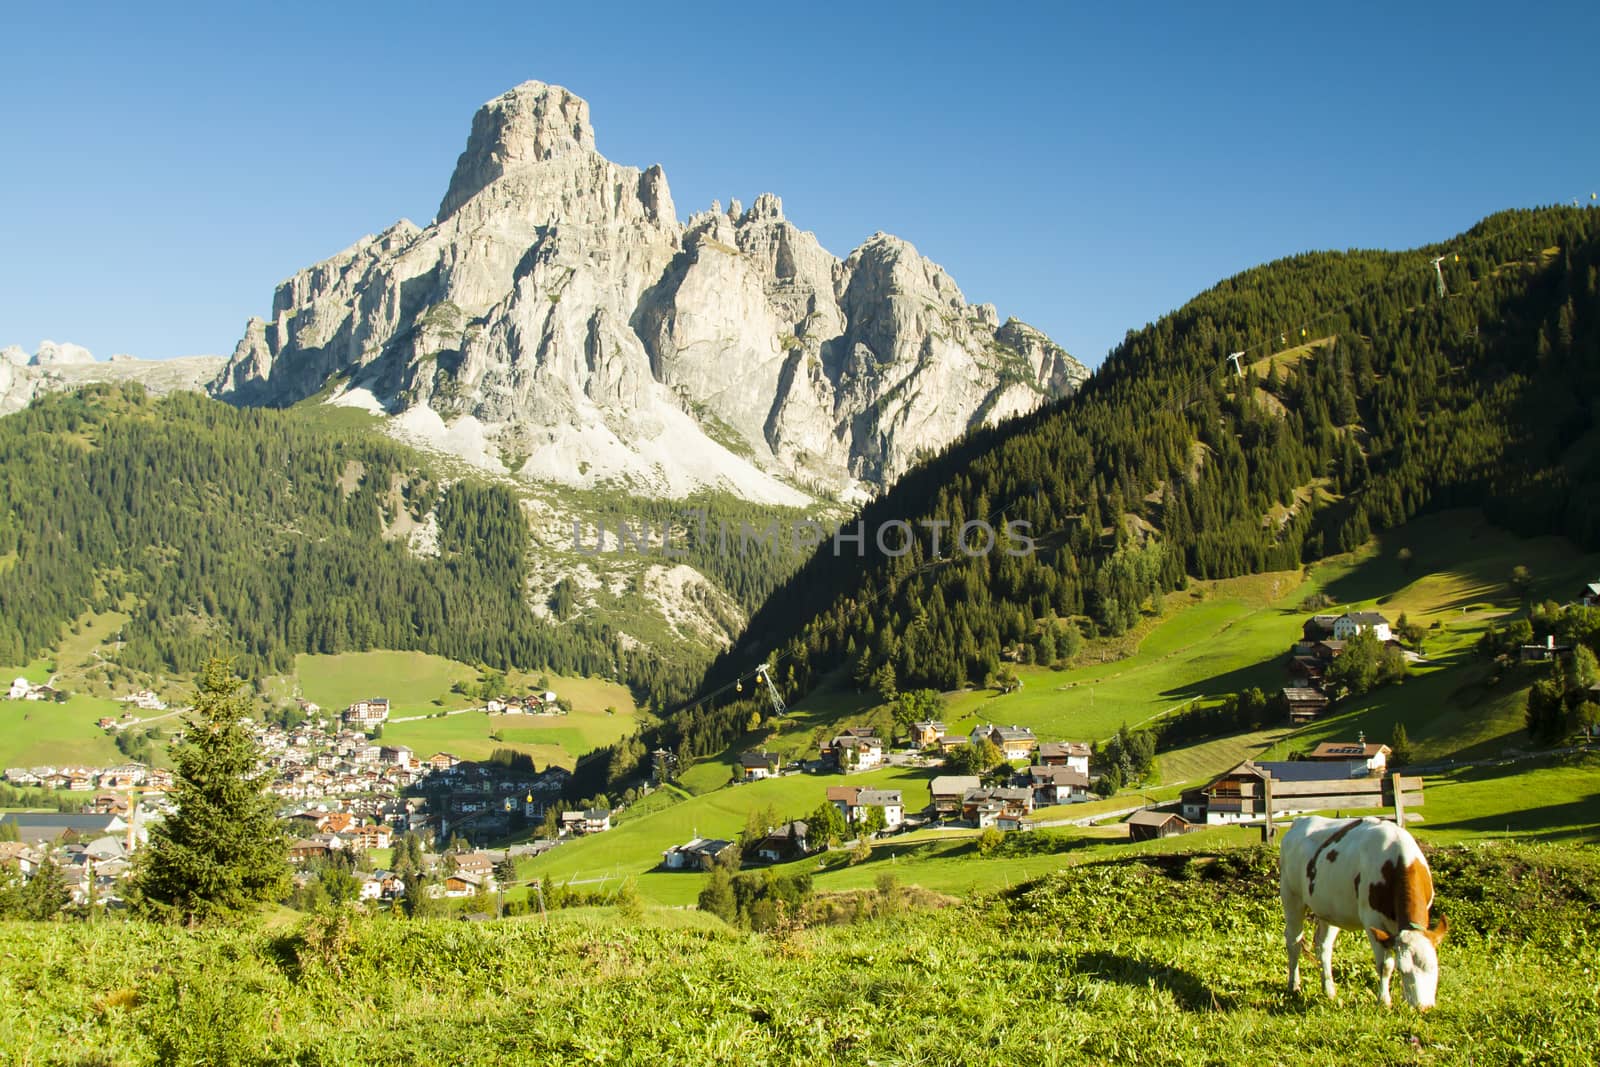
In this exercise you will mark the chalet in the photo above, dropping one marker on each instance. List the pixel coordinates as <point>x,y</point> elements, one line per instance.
<point>949,790</point>
<point>853,802</point>
<point>1237,795</point>
<point>1055,785</point>
<point>365,714</point>
<point>1016,742</point>
<point>370,837</point>
<point>754,766</point>
<point>395,755</point>
<point>984,807</point>
<point>950,742</point>
<point>894,812</point>
<point>20,856</point>
<point>338,822</point>
<point>1318,627</point>
<point>1347,626</point>
<point>1376,756</point>
<point>1541,652</point>
<point>663,766</point>
<point>854,752</point>
<point>1149,825</point>
<point>786,842</point>
<point>1590,596</point>
<point>1073,754</point>
<point>442,761</point>
<point>1328,650</point>
<point>20,688</point>
<point>924,734</point>
<point>699,854</point>
<point>1307,669</point>
<point>475,863</point>
<point>462,884</point>
<point>1305,704</point>
<point>109,804</point>
<point>310,848</point>
<point>590,821</point>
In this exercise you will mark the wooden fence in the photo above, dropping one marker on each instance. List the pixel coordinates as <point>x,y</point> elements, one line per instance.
<point>1390,791</point>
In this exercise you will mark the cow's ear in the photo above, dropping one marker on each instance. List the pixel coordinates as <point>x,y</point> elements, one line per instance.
<point>1383,936</point>
<point>1436,934</point>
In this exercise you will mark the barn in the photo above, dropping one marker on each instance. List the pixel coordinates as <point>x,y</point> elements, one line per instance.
<point>1149,825</point>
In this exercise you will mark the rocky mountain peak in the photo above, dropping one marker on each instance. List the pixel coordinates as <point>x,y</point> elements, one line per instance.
<point>529,124</point>
<point>557,321</point>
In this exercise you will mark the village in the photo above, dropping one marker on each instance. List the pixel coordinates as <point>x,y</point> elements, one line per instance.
<point>345,794</point>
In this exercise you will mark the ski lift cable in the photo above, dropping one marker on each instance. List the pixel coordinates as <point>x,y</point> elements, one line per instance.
<point>1454,252</point>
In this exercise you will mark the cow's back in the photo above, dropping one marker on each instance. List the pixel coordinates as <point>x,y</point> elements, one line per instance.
<point>1356,873</point>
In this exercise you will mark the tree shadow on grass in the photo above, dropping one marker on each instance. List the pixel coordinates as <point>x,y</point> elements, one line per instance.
<point>1191,993</point>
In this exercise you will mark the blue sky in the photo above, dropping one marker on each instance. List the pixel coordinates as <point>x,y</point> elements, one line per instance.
<point>165,167</point>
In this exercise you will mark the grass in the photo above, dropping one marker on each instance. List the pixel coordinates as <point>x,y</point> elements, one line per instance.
<point>421,684</point>
<point>1162,959</point>
<point>1554,799</point>
<point>39,733</point>
<point>633,848</point>
<point>413,681</point>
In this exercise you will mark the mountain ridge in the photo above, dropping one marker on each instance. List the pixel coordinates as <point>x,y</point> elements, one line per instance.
<point>559,310</point>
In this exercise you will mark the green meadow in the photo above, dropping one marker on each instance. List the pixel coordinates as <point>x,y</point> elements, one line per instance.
<point>1209,640</point>
<point>1154,959</point>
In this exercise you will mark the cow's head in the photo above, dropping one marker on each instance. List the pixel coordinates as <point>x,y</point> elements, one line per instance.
<point>1416,957</point>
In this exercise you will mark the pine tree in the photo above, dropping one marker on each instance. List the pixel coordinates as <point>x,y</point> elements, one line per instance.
<point>1400,752</point>
<point>717,896</point>
<point>222,850</point>
<point>46,893</point>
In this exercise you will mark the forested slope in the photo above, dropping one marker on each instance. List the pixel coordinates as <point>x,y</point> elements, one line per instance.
<point>270,533</point>
<point>1382,400</point>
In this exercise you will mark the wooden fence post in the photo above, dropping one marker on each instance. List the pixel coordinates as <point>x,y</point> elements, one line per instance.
<point>1399,801</point>
<point>1266,803</point>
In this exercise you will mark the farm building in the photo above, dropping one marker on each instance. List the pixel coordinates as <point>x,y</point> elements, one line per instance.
<point>1149,825</point>
<point>1305,704</point>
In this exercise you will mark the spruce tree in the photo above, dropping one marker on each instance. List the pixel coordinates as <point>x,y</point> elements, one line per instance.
<point>222,850</point>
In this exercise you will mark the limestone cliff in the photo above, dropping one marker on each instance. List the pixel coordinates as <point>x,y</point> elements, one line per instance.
<point>557,319</point>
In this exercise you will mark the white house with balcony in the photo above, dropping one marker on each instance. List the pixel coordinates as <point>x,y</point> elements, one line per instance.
<point>1349,625</point>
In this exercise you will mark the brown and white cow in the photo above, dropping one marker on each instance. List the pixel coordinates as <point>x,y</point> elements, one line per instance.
<point>1365,874</point>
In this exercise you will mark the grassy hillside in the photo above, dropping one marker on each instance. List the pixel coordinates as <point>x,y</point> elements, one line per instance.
<point>1211,639</point>
<point>1450,571</point>
<point>85,664</point>
<point>1173,960</point>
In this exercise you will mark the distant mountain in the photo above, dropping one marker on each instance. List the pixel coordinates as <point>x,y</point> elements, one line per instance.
<point>54,367</point>
<point>556,320</point>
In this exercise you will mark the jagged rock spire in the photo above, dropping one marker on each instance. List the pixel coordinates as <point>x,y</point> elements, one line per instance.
<point>530,124</point>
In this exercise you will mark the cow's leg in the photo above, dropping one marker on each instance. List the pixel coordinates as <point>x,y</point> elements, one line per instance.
<point>1383,960</point>
<point>1294,917</point>
<point>1326,932</point>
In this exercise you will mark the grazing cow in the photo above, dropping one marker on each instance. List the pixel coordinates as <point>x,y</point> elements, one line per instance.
<point>1363,874</point>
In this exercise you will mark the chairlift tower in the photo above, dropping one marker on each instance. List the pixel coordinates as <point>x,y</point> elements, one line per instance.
<point>1237,359</point>
<point>1439,273</point>
<point>762,674</point>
